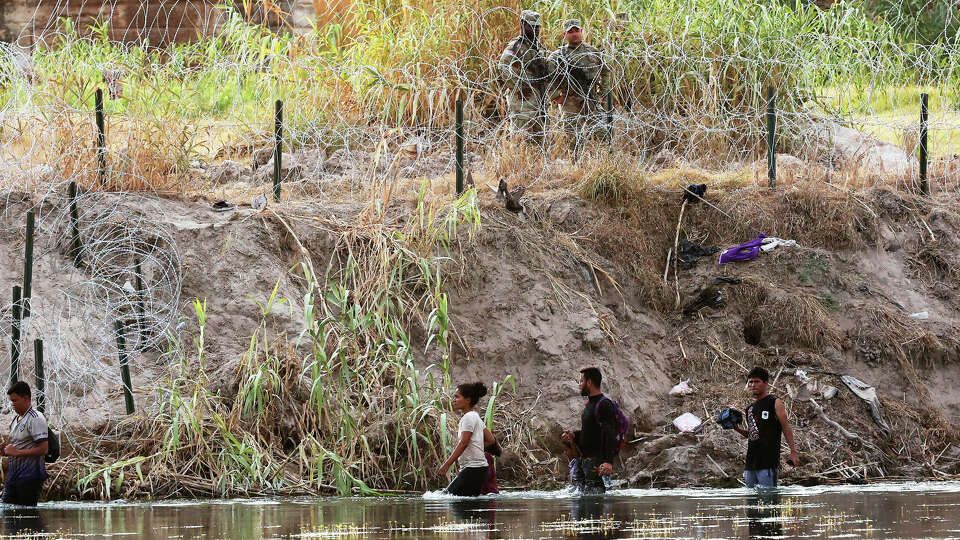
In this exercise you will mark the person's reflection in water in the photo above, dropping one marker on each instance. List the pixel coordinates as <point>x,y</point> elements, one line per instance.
<point>592,516</point>
<point>21,521</point>
<point>763,514</point>
<point>478,511</point>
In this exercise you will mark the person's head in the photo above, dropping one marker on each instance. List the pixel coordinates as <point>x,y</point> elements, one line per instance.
<point>19,394</point>
<point>590,379</point>
<point>530,24</point>
<point>757,381</point>
<point>573,31</point>
<point>467,395</point>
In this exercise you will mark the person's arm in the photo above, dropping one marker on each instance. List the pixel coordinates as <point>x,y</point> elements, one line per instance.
<point>461,446</point>
<point>488,437</point>
<point>39,450</point>
<point>787,431</point>
<point>509,67</point>
<point>739,428</point>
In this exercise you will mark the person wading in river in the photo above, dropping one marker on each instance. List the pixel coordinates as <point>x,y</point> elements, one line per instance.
<point>595,445</point>
<point>472,437</point>
<point>766,421</point>
<point>26,450</point>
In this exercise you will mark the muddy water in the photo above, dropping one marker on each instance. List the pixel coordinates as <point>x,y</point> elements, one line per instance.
<point>930,510</point>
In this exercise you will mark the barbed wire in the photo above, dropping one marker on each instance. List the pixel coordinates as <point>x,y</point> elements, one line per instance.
<point>360,96</point>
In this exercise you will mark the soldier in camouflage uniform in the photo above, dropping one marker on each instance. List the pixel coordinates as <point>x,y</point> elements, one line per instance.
<point>526,73</point>
<point>579,86</point>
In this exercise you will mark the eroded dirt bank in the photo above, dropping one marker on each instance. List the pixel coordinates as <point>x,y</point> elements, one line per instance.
<point>575,281</point>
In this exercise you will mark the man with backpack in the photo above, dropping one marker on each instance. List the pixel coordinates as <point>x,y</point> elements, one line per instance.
<point>26,450</point>
<point>603,429</point>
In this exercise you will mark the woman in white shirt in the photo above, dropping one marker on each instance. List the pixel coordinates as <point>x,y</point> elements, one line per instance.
<point>472,436</point>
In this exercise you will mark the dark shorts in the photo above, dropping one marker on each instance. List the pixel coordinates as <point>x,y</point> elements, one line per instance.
<point>468,482</point>
<point>24,493</point>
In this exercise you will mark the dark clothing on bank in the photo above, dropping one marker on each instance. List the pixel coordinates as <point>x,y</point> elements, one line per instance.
<point>763,435</point>
<point>26,493</point>
<point>469,482</point>
<point>598,430</point>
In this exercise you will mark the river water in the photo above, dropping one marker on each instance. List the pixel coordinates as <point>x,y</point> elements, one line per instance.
<point>913,510</point>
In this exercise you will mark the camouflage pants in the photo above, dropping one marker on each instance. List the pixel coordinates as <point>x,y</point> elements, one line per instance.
<point>528,118</point>
<point>580,122</point>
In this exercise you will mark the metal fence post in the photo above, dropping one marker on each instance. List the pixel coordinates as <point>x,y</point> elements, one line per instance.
<point>924,188</point>
<point>459,144</point>
<point>28,268</point>
<point>41,383</point>
<point>124,367</point>
<point>610,116</point>
<point>141,320</point>
<point>76,247</point>
<point>15,337</point>
<point>771,138</point>
<point>278,148</point>
<point>101,138</point>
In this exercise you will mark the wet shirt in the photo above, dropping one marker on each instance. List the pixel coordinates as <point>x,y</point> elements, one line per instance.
<point>598,429</point>
<point>27,432</point>
<point>473,455</point>
<point>763,435</point>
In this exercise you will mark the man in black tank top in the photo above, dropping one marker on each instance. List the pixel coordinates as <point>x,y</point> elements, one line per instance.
<point>766,420</point>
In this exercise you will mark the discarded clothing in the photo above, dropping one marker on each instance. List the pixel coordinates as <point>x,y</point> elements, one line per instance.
<point>771,243</point>
<point>747,251</point>
<point>710,296</point>
<point>681,389</point>
<point>729,417</point>
<point>688,253</point>
<point>869,394</point>
<point>694,193</point>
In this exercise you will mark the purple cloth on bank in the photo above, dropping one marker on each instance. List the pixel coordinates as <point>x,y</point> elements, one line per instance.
<point>747,251</point>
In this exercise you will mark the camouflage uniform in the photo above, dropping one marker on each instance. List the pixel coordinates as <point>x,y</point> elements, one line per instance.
<point>581,79</point>
<point>526,73</point>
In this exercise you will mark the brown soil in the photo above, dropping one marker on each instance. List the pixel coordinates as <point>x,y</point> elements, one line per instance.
<point>577,282</point>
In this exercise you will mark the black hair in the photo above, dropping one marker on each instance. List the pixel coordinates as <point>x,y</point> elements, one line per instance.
<point>20,388</point>
<point>472,391</point>
<point>593,375</point>
<point>759,373</point>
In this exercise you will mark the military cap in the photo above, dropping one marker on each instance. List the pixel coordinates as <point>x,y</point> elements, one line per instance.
<point>530,17</point>
<point>571,23</point>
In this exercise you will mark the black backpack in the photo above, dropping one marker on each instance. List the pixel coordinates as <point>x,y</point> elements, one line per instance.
<point>53,446</point>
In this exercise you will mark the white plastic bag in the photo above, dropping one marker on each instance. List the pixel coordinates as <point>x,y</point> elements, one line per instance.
<point>681,389</point>
<point>688,422</point>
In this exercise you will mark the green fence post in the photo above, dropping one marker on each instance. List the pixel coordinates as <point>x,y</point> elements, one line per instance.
<point>76,247</point>
<point>101,138</point>
<point>15,337</point>
<point>41,383</point>
<point>924,188</point>
<point>141,320</point>
<point>28,268</point>
<point>771,138</point>
<point>460,150</point>
<point>610,116</point>
<point>124,367</point>
<point>277,148</point>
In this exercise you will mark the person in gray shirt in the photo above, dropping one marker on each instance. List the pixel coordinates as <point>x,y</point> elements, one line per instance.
<point>25,450</point>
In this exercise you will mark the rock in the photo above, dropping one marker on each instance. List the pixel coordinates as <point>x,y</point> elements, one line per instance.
<point>228,172</point>
<point>790,164</point>
<point>871,154</point>
<point>294,167</point>
<point>261,156</point>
